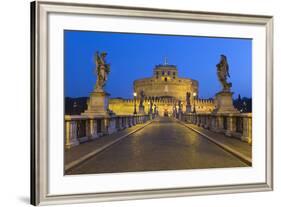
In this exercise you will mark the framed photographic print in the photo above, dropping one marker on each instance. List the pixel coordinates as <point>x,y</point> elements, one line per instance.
<point>133,103</point>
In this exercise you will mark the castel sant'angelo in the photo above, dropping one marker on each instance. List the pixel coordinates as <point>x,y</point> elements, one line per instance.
<point>164,93</point>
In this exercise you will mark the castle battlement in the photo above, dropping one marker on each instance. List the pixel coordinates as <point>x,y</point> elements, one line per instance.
<point>204,101</point>
<point>165,90</point>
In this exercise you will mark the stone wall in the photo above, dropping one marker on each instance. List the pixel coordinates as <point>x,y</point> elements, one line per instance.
<point>122,106</point>
<point>176,88</point>
<point>203,105</point>
<point>126,106</point>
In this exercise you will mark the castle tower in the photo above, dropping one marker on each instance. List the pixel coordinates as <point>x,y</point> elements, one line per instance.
<point>165,82</point>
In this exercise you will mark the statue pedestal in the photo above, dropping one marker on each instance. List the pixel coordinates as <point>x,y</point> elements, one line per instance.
<point>97,104</point>
<point>224,103</point>
<point>188,109</point>
<point>141,110</point>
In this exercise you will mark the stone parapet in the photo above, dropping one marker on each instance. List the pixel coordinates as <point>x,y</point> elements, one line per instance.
<point>83,128</point>
<point>231,124</point>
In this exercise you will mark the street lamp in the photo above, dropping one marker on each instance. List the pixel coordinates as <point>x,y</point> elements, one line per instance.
<point>194,96</point>
<point>150,106</point>
<point>135,104</point>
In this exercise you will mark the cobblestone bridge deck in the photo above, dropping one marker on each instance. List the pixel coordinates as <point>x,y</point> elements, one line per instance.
<point>165,144</point>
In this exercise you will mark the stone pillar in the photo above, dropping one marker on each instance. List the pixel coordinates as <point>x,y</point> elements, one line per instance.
<point>184,119</point>
<point>231,126</point>
<point>105,126</point>
<point>218,124</point>
<point>212,123</point>
<point>93,129</point>
<point>71,134</point>
<point>88,131</point>
<point>206,124</point>
<point>197,120</point>
<point>194,119</point>
<point>134,120</point>
<point>247,130</point>
<point>179,115</point>
<point>67,135</point>
<point>190,118</point>
<point>127,121</point>
<point>141,110</point>
<point>117,123</point>
<point>112,125</point>
<point>201,118</point>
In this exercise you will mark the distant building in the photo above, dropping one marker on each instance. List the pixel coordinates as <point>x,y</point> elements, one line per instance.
<point>166,91</point>
<point>166,83</point>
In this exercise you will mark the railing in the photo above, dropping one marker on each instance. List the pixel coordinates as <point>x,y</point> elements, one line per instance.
<point>79,129</point>
<point>233,125</point>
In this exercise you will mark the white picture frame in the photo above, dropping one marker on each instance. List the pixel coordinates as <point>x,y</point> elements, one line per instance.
<point>41,137</point>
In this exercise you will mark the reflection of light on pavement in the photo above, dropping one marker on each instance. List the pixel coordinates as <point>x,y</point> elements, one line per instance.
<point>166,89</point>
<point>165,144</point>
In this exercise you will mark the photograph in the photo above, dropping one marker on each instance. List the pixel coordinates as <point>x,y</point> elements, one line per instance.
<point>139,102</point>
<point>136,103</point>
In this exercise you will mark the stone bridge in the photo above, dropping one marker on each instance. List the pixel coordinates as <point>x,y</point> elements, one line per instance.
<point>147,143</point>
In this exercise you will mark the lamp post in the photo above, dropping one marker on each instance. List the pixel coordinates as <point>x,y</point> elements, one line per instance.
<point>150,106</point>
<point>135,104</point>
<point>194,96</point>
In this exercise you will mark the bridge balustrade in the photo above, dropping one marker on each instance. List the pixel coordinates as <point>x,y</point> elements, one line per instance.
<point>79,129</point>
<point>232,125</point>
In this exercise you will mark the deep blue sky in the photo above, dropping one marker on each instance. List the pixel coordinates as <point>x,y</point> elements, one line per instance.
<point>133,56</point>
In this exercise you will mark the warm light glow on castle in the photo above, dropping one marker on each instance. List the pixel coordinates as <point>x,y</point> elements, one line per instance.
<point>164,92</point>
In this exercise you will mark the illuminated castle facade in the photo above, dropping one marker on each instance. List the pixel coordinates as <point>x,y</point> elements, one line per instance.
<point>166,92</point>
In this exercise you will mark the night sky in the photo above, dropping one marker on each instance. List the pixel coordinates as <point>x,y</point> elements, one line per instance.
<point>133,56</point>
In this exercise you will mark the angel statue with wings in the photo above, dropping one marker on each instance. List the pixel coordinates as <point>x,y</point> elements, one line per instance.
<point>102,70</point>
<point>223,73</point>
